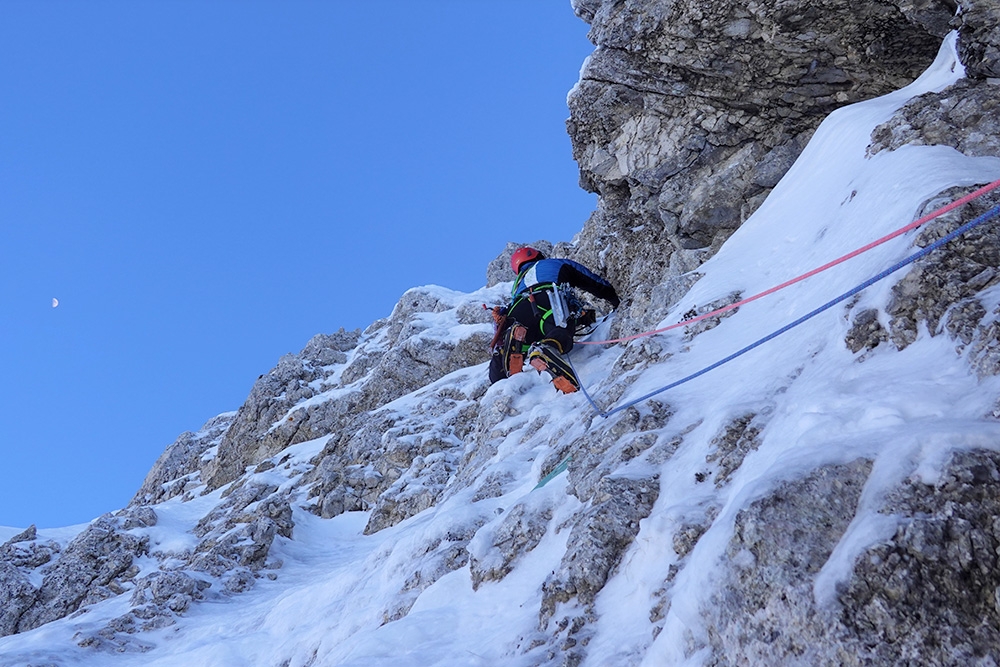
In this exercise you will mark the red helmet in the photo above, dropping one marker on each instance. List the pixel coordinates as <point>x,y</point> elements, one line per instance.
<point>523,255</point>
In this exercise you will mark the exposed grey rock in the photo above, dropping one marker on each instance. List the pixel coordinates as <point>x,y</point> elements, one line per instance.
<point>341,488</point>
<point>87,571</point>
<point>239,532</point>
<point>687,114</point>
<point>597,542</point>
<point>137,517</point>
<point>239,580</point>
<point>24,551</point>
<point>265,424</point>
<point>17,595</point>
<point>261,427</point>
<point>979,38</point>
<point>417,489</point>
<point>965,116</point>
<point>710,323</point>
<point>685,118</point>
<point>929,595</point>
<point>26,535</point>
<point>940,290</point>
<point>397,465</point>
<point>391,359</point>
<point>764,611</point>
<point>866,332</point>
<point>687,537</point>
<point>495,552</point>
<point>604,449</point>
<point>493,486</point>
<point>177,468</point>
<point>441,554</point>
<point>738,438</point>
<point>167,591</point>
<point>156,600</point>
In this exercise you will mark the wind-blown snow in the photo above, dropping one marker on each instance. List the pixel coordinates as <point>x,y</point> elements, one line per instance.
<point>327,605</point>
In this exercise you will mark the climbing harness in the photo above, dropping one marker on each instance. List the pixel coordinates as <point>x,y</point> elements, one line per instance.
<point>985,217</point>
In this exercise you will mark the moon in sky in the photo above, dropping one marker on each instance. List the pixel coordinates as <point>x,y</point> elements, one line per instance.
<point>55,302</point>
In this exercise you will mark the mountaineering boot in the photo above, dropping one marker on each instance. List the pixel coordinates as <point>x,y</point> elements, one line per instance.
<point>544,357</point>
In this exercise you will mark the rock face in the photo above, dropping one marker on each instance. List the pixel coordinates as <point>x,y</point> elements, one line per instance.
<point>178,470</point>
<point>685,118</point>
<point>687,114</point>
<point>765,610</point>
<point>94,566</point>
<point>929,594</point>
<point>389,463</point>
<point>392,358</point>
<point>926,595</point>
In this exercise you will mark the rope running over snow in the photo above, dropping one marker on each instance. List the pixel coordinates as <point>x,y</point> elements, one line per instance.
<point>992,213</point>
<point>877,242</point>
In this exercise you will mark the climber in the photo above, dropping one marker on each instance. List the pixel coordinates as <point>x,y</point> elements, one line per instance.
<point>543,315</point>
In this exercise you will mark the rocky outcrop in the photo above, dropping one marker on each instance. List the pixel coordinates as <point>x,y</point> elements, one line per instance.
<point>338,378</point>
<point>19,556</point>
<point>764,611</point>
<point>397,463</point>
<point>264,424</point>
<point>944,293</point>
<point>929,594</point>
<point>926,595</point>
<point>94,566</point>
<point>979,44</point>
<point>178,470</point>
<point>496,551</point>
<point>686,116</point>
<point>941,291</point>
<point>598,541</point>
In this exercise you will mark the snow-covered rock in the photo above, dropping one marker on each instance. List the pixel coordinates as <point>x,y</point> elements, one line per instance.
<point>828,498</point>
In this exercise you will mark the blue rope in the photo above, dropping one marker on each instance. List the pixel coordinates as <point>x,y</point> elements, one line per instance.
<point>992,213</point>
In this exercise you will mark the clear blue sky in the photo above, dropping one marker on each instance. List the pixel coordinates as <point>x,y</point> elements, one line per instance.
<point>205,185</point>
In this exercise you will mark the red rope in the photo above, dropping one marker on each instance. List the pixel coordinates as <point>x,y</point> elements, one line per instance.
<point>888,237</point>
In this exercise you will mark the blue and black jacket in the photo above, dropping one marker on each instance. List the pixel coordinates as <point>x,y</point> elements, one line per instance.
<point>547,273</point>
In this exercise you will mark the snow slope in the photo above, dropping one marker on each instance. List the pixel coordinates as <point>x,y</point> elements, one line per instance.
<point>905,410</point>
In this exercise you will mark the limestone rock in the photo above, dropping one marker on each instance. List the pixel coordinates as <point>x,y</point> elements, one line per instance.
<point>866,332</point>
<point>162,591</point>
<point>393,357</point>
<point>495,552</point>
<point>239,532</point>
<point>965,116</point>
<point>177,469</point>
<point>262,427</point>
<point>929,594</point>
<point>687,114</point>
<point>979,37</point>
<point>738,438</point>
<point>443,553</point>
<point>17,595</point>
<point>764,611</point>
<point>88,570</point>
<point>940,290</point>
<point>597,542</point>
